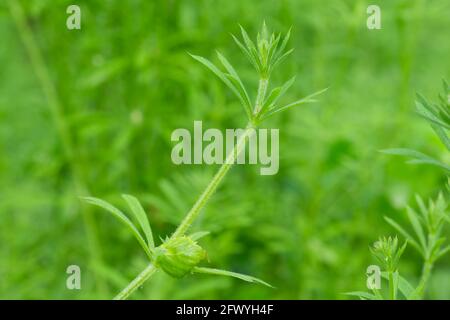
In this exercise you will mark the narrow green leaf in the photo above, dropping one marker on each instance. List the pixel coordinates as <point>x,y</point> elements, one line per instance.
<point>283,56</point>
<point>306,99</point>
<point>429,114</point>
<point>271,98</point>
<point>435,121</point>
<point>436,248</point>
<point>238,83</point>
<point>214,69</point>
<point>443,252</point>
<point>275,95</point>
<point>227,65</point>
<point>250,57</point>
<point>248,42</point>
<point>197,235</point>
<point>442,135</point>
<point>406,235</point>
<point>418,157</point>
<point>423,208</point>
<point>242,95</point>
<point>122,218</point>
<point>251,48</point>
<point>141,217</point>
<point>273,49</point>
<point>400,252</point>
<point>233,85</point>
<point>412,216</point>
<point>283,45</point>
<point>230,274</point>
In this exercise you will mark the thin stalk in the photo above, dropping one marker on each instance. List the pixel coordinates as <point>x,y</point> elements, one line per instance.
<point>137,282</point>
<point>392,289</point>
<point>193,213</point>
<point>205,196</point>
<point>213,184</point>
<point>59,119</point>
<point>427,265</point>
<point>426,273</point>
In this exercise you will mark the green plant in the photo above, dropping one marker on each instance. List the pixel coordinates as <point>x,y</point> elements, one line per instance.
<point>427,239</point>
<point>428,225</point>
<point>388,253</point>
<point>180,254</point>
<point>438,115</point>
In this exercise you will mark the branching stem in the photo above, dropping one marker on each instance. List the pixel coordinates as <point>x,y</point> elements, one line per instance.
<point>213,184</point>
<point>204,197</point>
<point>426,272</point>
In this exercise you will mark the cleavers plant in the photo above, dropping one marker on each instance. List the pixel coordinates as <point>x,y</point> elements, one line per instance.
<point>180,254</point>
<point>427,236</point>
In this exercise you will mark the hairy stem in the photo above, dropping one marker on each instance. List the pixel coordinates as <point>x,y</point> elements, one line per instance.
<point>262,90</point>
<point>213,184</point>
<point>137,282</point>
<point>192,214</point>
<point>206,194</point>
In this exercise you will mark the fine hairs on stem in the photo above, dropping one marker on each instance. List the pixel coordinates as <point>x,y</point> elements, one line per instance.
<point>180,254</point>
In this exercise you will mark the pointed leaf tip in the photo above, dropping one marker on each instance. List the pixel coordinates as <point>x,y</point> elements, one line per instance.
<point>122,218</point>
<point>226,273</point>
<point>141,217</point>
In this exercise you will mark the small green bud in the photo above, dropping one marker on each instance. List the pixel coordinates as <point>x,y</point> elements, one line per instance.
<point>178,256</point>
<point>388,252</point>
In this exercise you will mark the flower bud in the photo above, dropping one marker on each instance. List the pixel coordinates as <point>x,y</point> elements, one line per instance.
<point>178,256</point>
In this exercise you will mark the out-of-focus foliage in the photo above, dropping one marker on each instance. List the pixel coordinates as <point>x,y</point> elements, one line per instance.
<point>438,115</point>
<point>125,82</point>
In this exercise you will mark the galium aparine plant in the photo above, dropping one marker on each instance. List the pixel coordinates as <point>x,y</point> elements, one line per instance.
<point>180,254</point>
<point>427,223</point>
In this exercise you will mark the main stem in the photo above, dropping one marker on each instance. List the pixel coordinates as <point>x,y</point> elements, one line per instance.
<point>206,194</point>
<point>426,272</point>
<point>192,214</point>
<point>213,184</point>
<point>137,282</point>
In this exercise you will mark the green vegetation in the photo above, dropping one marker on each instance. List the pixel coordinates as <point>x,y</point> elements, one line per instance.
<point>180,254</point>
<point>428,226</point>
<point>90,113</point>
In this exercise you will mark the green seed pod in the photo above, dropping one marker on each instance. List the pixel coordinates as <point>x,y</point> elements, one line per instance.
<point>178,256</point>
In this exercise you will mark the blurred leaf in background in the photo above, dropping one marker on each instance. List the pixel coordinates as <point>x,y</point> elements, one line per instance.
<point>124,82</point>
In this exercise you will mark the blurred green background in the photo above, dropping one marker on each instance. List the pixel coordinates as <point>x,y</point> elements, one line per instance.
<point>100,124</point>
